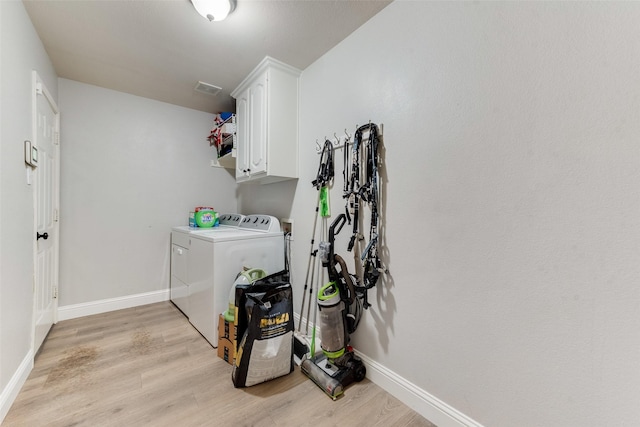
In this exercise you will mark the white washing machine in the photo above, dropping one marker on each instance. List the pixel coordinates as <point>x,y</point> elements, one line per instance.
<point>211,261</point>
<point>179,283</point>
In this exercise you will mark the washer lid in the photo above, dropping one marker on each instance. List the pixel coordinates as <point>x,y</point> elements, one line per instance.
<point>237,234</point>
<point>226,221</point>
<point>199,230</point>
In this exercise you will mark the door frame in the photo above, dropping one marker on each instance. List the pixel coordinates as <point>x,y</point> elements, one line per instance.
<point>40,89</point>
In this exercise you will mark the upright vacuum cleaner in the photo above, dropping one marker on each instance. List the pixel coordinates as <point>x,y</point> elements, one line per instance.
<point>340,309</point>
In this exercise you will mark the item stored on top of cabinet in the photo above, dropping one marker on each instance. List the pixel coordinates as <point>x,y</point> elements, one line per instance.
<point>223,138</point>
<point>267,123</point>
<point>264,327</point>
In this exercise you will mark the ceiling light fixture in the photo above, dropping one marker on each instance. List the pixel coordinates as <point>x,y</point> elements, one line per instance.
<point>214,10</point>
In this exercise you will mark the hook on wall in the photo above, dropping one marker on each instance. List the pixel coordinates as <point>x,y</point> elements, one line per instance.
<point>338,141</point>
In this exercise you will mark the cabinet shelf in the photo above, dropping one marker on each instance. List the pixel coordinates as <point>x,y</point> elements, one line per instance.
<point>227,161</point>
<point>224,135</point>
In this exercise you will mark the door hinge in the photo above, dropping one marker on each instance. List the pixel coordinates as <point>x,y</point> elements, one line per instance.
<point>39,90</point>
<point>56,217</point>
<point>55,292</point>
<point>56,140</point>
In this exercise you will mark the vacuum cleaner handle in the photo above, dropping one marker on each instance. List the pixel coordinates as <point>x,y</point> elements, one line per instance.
<point>339,223</point>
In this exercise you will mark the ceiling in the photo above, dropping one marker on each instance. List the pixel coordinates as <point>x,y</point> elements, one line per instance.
<point>160,49</point>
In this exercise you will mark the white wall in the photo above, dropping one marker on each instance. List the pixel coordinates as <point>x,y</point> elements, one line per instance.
<point>131,169</point>
<point>512,171</point>
<point>20,52</point>
<point>510,137</point>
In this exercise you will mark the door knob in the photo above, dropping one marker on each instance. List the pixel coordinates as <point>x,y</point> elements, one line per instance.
<point>45,236</point>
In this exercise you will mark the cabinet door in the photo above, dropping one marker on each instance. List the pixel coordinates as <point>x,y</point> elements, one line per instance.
<point>242,133</point>
<point>258,126</point>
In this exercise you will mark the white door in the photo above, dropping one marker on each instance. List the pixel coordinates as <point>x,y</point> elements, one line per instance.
<point>46,123</point>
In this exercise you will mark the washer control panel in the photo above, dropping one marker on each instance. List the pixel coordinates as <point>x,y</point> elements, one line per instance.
<point>266,223</point>
<point>232,220</point>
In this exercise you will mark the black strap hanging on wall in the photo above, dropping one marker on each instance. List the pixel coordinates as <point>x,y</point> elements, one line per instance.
<point>370,193</point>
<point>367,192</point>
<point>353,198</point>
<point>346,173</point>
<point>325,167</point>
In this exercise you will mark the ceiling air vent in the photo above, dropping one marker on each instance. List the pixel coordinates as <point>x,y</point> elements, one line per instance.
<point>207,88</point>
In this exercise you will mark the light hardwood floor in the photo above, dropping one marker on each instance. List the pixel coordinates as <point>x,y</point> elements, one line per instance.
<point>147,366</point>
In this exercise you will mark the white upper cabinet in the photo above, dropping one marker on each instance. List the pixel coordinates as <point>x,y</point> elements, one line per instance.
<point>267,123</point>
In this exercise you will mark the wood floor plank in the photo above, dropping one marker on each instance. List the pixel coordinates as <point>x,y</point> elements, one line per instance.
<point>147,366</point>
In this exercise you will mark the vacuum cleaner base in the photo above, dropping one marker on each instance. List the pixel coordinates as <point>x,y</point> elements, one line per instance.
<point>333,378</point>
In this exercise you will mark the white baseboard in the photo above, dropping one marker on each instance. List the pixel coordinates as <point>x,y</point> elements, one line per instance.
<point>416,398</point>
<point>73,311</point>
<point>12,389</point>
<point>301,321</point>
<point>413,396</point>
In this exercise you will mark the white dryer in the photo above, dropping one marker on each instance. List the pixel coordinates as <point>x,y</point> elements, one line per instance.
<point>214,260</point>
